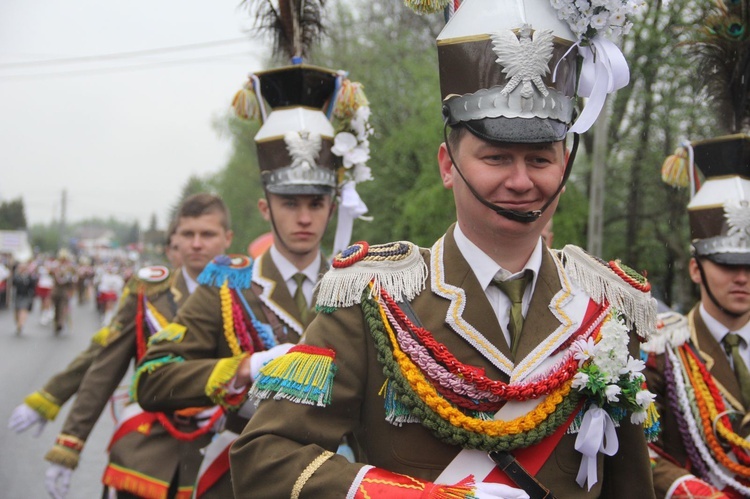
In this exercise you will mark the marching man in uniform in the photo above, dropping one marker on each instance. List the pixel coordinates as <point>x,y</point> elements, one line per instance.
<point>246,311</point>
<point>485,343</point>
<point>151,455</point>
<point>698,365</point>
<point>44,404</point>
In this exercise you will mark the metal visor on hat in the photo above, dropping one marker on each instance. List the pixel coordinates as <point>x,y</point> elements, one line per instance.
<point>508,71</point>
<point>294,143</point>
<point>720,211</point>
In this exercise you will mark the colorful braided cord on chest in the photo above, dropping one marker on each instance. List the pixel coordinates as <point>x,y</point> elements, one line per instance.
<point>242,336</point>
<point>416,386</point>
<point>144,328</point>
<point>701,414</point>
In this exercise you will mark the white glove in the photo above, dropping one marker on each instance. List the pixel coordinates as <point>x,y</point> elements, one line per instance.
<point>498,491</point>
<point>259,359</point>
<point>204,417</point>
<point>247,409</point>
<point>57,480</point>
<point>24,417</point>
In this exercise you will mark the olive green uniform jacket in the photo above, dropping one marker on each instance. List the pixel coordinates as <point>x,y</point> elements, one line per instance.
<point>207,360</point>
<point>280,450</point>
<point>63,385</point>
<point>143,462</point>
<point>670,442</point>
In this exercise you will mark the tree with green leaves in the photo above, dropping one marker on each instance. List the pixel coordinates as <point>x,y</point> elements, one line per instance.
<point>12,215</point>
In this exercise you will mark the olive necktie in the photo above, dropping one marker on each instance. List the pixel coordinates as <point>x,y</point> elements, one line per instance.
<point>732,346</point>
<point>299,297</point>
<point>514,291</point>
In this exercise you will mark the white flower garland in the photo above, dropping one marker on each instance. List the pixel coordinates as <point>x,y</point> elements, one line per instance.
<point>695,433</point>
<point>353,146</point>
<point>587,18</point>
<point>608,374</point>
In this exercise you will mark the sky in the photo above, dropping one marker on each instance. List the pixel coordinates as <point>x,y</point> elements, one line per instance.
<point>128,115</point>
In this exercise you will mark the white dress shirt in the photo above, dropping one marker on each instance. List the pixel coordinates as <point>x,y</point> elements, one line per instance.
<point>191,283</point>
<point>287,271</point>
<point>486,270</point>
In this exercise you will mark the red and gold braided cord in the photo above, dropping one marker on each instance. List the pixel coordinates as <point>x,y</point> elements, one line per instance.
<point>640,286</point>
<point>227,316</point>
<point>715,405</point>
<point>475,375</point>
<point>701,395</point>
<point>140,330</point>
<point>246,332</point>
<point>427,393</point>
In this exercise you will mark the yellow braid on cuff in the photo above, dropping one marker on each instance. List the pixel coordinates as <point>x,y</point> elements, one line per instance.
<point>224,371</point>
<point>66,451</point>
<point>308,472</point>
<point>43,403</point>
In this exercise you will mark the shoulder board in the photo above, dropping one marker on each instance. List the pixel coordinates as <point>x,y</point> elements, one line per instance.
<point>152,280</point>
<point>235,270</point>
<point>623,288</point>
<point>672,329</point>
<point>398,268</point>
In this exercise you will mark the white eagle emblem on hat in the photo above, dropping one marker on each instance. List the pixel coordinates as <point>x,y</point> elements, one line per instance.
<point>303,147</point>
<point>524,60</point>
<point>737,214</point>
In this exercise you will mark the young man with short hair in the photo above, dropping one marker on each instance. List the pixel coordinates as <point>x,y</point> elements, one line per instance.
<point>151,454</point>
<point>698,364</point>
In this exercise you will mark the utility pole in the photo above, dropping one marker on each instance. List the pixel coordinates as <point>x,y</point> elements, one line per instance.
<point>595,234</point>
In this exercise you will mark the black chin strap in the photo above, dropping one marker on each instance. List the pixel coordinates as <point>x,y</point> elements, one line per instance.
<point>517,216</point>
<point>710,294</point>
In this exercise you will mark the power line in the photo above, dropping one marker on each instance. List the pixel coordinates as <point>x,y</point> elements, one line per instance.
<point>138,67</point>
<point>122,55</point>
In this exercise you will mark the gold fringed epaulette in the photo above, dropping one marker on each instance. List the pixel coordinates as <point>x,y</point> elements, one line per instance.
<point>672,329</point>
<point>398,268</point>
<point>622,287</point>
<point>304,375</point>
<point>152,280</point>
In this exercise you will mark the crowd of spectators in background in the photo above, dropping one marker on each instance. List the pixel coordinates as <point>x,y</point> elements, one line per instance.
<point>53,281</point>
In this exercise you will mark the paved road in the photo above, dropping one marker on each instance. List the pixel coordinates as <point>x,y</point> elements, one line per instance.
<point>26,362</point>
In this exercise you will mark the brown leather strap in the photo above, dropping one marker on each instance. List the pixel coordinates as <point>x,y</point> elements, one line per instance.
<point>506,462</point>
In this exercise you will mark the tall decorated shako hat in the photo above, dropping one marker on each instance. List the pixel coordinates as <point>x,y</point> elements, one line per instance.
<point>508,67</point>
<point>496,62</point>
<point>314,134</point>
<point>719,209</point>
<point>295,140</point>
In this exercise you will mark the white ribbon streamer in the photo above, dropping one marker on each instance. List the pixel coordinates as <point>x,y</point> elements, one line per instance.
<point>603,71</point>
<point>597,434</point>
<point>350,207</point>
